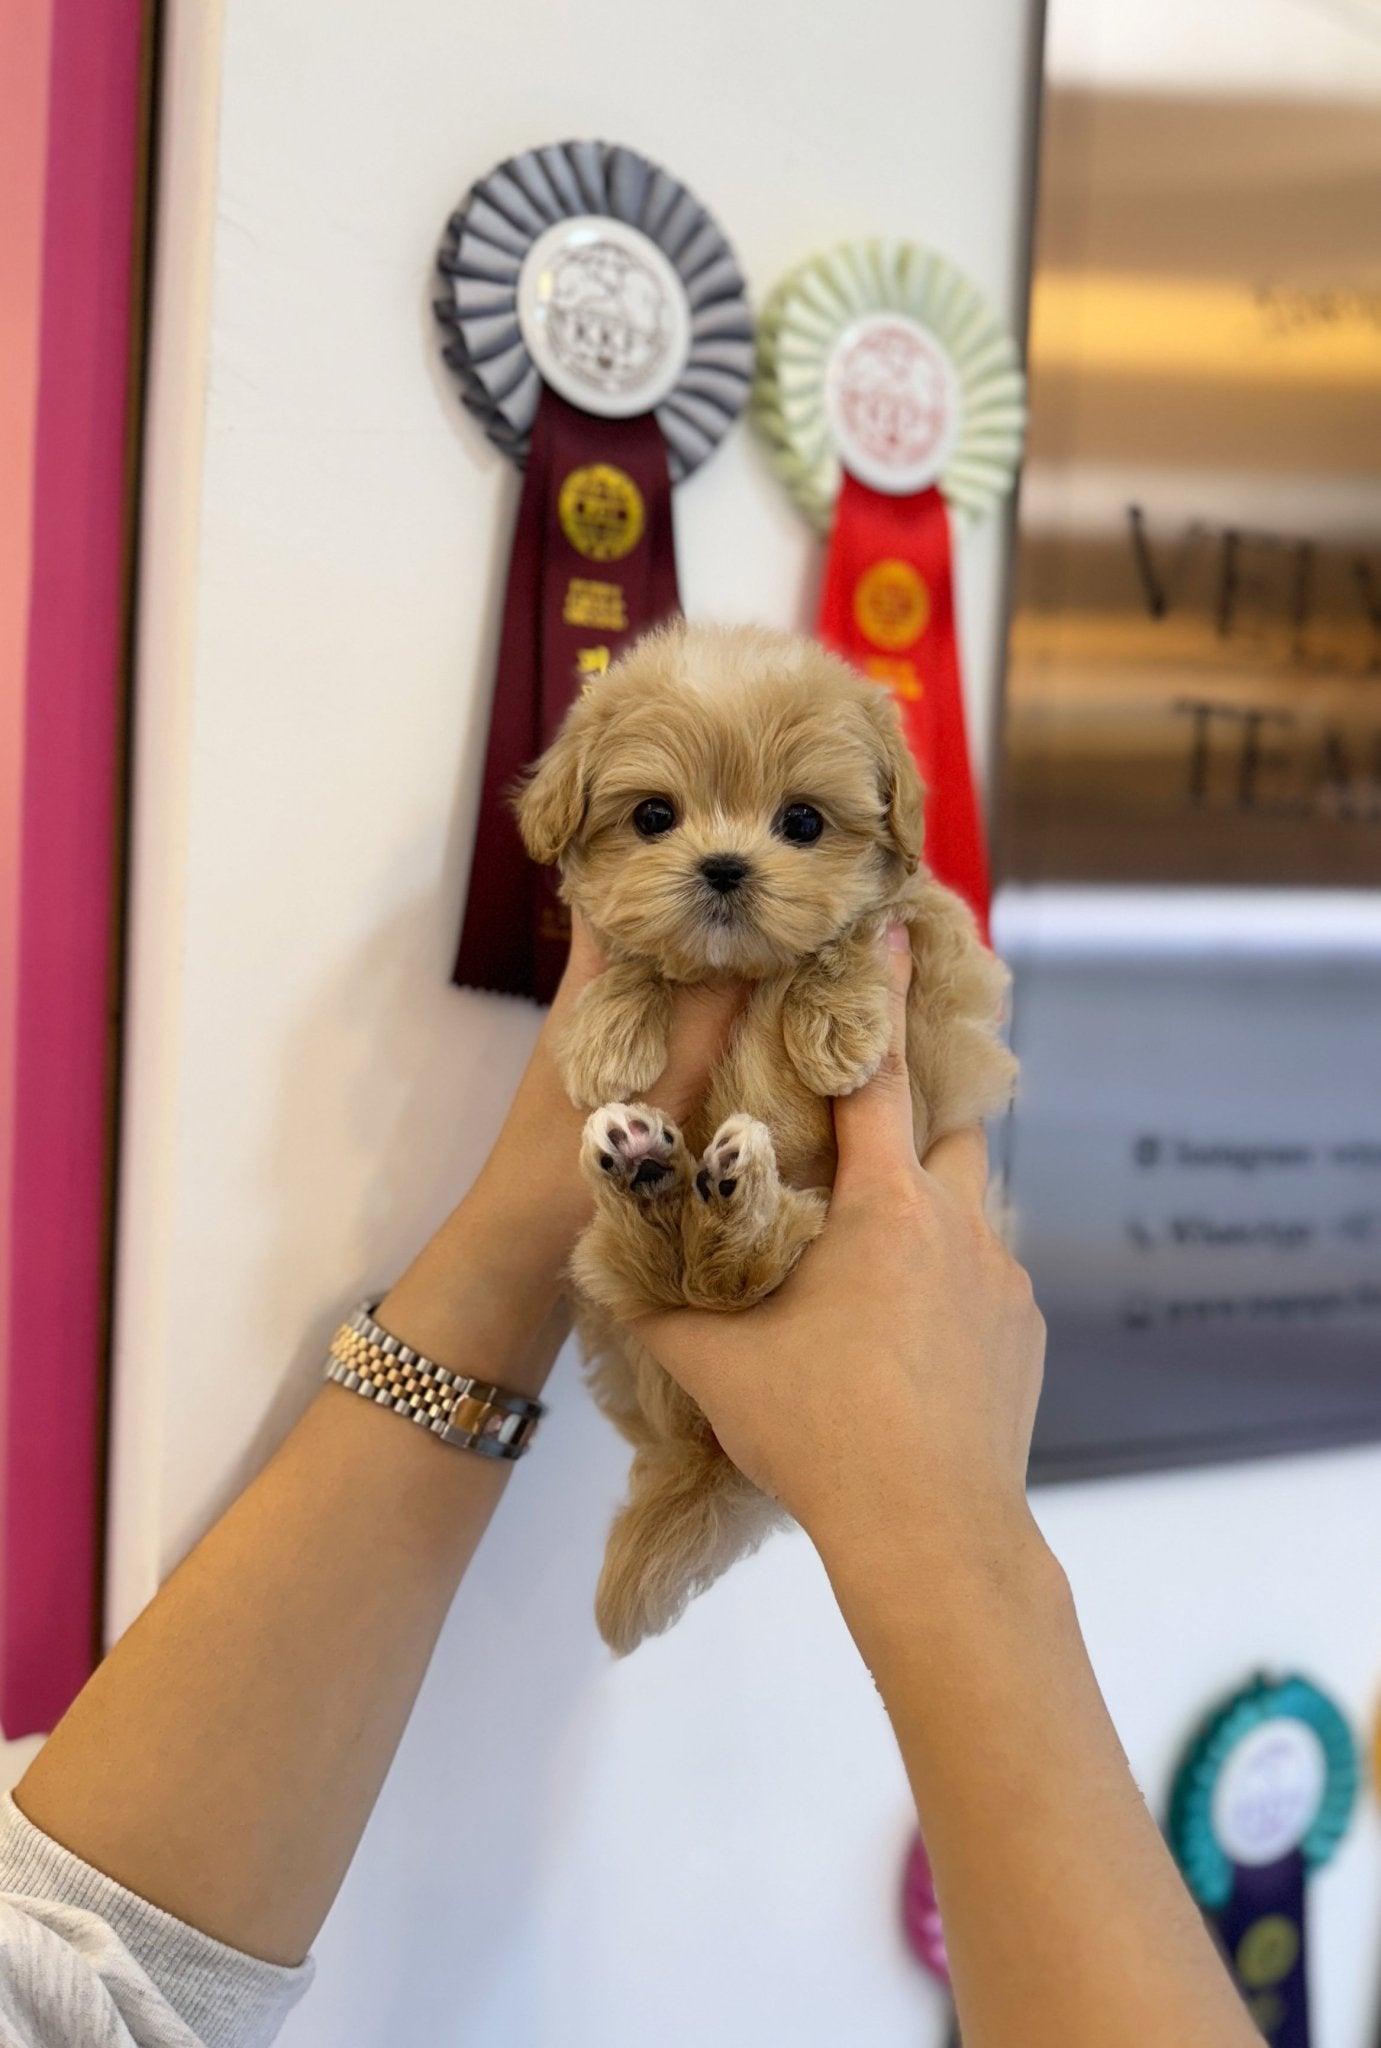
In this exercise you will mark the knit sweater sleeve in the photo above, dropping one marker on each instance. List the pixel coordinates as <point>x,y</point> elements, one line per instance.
<point>86,1964</point>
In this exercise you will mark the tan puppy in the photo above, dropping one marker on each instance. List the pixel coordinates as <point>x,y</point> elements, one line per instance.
<point>728,801</point>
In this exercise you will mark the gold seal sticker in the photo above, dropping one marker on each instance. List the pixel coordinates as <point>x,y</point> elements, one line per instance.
<point>1267,1952</point>
<point>891,604</point>
<point>601,512</point>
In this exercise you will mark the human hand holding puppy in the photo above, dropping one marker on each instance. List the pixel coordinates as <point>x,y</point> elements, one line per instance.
<point>492,1275</point>
<point>729,801</point>
<point>885,1393</point>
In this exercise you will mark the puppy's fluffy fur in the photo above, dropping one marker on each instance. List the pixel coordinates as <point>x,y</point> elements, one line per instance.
<point>729,727</point>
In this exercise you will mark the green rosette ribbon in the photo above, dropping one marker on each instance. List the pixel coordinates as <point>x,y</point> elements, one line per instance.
<point>813,309</point>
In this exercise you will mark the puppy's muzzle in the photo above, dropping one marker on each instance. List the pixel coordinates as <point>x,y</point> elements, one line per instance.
<point>724,872</point>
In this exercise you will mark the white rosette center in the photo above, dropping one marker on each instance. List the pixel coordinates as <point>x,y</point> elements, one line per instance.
<point>604,316</point>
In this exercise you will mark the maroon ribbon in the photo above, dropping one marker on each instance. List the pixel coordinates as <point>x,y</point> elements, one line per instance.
<point>593,565</point>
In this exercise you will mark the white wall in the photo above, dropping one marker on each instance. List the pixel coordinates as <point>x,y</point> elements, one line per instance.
<point>703,1843</point>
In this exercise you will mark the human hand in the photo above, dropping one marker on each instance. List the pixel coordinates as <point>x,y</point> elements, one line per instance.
<point>533,1173</point>
<point>487,1283</point>
<point>885,1394</point>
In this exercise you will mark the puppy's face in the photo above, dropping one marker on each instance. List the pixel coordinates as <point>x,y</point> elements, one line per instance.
<point>725,801</point>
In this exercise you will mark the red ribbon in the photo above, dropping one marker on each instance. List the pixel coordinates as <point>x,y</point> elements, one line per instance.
<point>888,604</point>
<point>593,565</point>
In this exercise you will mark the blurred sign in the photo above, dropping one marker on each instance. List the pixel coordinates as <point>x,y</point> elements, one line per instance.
<point>1194,691</point>
<point>1188,829</point>
<point>1195,1169</point>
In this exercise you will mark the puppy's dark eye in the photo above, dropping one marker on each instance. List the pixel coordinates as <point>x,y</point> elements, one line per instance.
<point>800,823</point>
<point>653,816</point>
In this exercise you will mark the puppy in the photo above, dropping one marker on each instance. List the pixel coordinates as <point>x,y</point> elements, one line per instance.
<point>734,802</point>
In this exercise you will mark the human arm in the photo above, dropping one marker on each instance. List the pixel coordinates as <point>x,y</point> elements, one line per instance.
<point>224,1759</point>
<point>886,1396</point>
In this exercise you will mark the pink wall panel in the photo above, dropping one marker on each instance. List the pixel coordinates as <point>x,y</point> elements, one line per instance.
<point>25,37</point>
<point>63,687</point>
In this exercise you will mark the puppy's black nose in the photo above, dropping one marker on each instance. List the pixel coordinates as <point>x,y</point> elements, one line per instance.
<point>724,871</point>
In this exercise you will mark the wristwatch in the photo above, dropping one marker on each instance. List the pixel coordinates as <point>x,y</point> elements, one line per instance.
<point>468,1413</point>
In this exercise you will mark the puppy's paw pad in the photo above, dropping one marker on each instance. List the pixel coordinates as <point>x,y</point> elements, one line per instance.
<point>741,1151</point>
<point>629,1146</point>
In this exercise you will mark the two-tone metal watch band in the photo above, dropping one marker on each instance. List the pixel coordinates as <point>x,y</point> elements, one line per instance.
<point>468,1413</point>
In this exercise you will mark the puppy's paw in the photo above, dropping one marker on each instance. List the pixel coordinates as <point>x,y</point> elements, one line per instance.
<point>631,1149</point>
<point>621,1058</point>
<point>836,1050</point>
<point>594,1075</point>
<point>615,1044</point>
<point>747,1229</point>
<point>740,1163</point>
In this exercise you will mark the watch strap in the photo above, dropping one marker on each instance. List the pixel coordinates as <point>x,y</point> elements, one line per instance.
<point>469,1413</point>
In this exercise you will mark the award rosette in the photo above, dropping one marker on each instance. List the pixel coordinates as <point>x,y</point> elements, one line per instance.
<point>1262,1798</point>
<point>920,1910</point>
<point>887,392</point>
<point>599,329</point>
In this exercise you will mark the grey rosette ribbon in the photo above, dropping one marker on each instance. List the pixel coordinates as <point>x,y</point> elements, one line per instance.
<point>481,263</point>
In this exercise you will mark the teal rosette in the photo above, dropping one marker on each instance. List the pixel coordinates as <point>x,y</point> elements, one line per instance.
<point>1206,1864</point>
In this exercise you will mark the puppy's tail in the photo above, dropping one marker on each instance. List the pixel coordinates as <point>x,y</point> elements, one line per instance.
<point>689,1514</point>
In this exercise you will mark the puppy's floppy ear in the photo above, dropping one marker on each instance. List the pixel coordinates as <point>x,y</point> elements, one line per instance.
<point>902,793</point>
<point>551,804</point>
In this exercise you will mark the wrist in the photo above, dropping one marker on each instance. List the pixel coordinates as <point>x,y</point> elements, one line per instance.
<point>908,1585</point>
<point>529,1204</point>
<point>483,1297</point>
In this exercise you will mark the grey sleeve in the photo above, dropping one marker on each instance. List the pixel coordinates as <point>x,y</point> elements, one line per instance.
<point>86,1964</point>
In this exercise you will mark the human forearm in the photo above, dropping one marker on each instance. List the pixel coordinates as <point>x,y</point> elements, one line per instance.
<point>1066,1923</point>
<point>225,1757</point>
<point>886,1395</point>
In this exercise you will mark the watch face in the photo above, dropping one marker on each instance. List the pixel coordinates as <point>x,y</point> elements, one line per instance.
<point>604,315</point>
<point>893,403</point>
